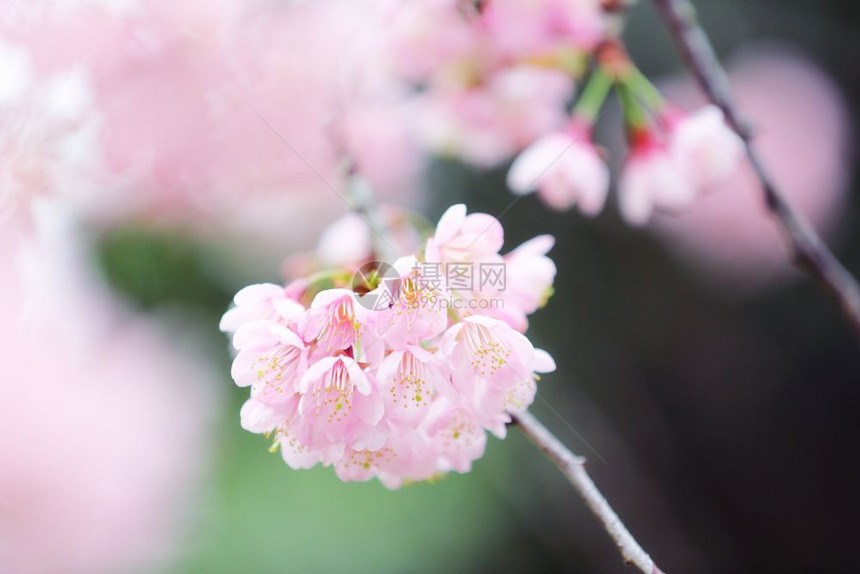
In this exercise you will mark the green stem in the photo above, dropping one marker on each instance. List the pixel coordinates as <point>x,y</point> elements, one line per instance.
<point>634,115</point>
<point>644,89</point>
<point>593,96</point>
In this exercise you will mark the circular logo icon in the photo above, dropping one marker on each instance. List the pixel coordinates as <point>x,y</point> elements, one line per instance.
<point>375,285</point>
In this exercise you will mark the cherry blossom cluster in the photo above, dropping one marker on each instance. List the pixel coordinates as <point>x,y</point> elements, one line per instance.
<point>673,155</point>
<point>402,389</point>
<point>492,76</point>
<point>496,78</point>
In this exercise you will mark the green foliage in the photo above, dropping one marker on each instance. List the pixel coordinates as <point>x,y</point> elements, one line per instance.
<point>154,267</point>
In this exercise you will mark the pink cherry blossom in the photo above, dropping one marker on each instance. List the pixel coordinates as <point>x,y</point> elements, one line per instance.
<point>455,436</point>
<point>411,379</point>
<point>705,149</point>
<point>463,238</point>
<point>347,242</point>
<point>262,301</point>
<point>397,384</point>
<point>566,170</point>
<point>259,417</point>
<point>416,312</point>
<point>333,319</point>
<point>476,239</point>
<point>340,404</point>
<point>529,276</point>
<point>489,360</point>
<point>271,359</point>
<point>487,123</point>
<point>494,78</point>
<point>403,456</point>
<point>651,180</point>
<point>520,27</point>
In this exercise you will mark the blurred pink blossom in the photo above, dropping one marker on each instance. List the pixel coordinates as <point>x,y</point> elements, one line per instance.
<point>444,41</point>
<point>705,149</point>
<point>652,180</point>
<point>225,115</point>
<point>487,123</point>
<point>48,135</point>
<point>102,424</point>
<point>566,169</point>
<point>345,243</point>
<point>492,78</point>
<point>801,126</point>
<point>519,27</point>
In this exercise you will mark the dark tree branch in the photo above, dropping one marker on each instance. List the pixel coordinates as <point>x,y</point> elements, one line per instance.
<point>807,250</point>
<point>573,467</point>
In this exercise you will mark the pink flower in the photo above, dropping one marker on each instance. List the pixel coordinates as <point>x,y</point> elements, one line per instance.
<point>455,436</point>
<point>345,243</point>
<point>494,402</point>
<point>475,239</point>
<point>426,37</point>
<point>271,360</point>
<point>259,417</point>
<point>490,363</point>
<point>281,419</point>
<point>417,311</point>
<point>340,404</point>
<point>333,319</point>
<point>463,238</point>
<point>529,275</point>
<point>522,27</point>
<point>519,397</point>
<point>652,180</point>
<point>705,149</point>
<point>399,383</point>
<point>404,456</point>
<point>489,122</point>
<point>262,301</point>
<point>410,380</point>
<point>493,79</point>
<point>566,169</point>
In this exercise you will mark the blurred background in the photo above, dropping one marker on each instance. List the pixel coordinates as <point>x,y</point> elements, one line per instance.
<point>714,391</point>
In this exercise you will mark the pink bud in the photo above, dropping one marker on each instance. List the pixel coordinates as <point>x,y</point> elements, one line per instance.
<point>566,170</point>
<point>705,149</point>
<point>651,180</point>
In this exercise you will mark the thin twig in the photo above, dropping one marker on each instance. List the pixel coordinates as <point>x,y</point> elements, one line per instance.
<point>573,467</point>
<point>807,250</point>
